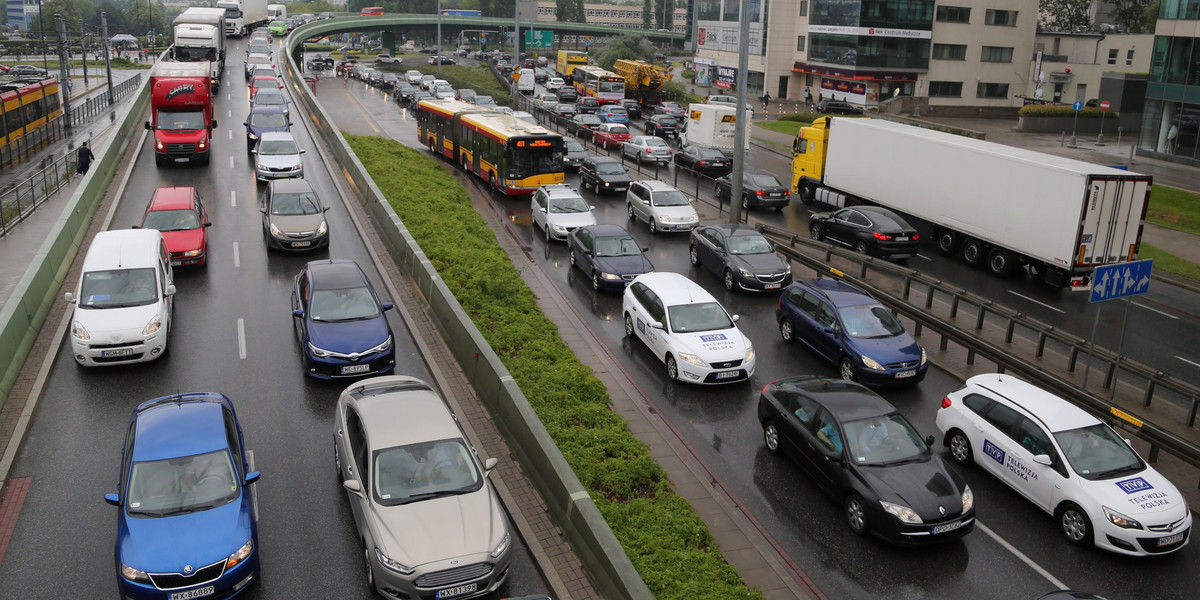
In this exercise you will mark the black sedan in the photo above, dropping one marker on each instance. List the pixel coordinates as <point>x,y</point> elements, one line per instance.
<point>835,107</point>
<point>604,174</point>
<point>632,108</point>
<point>707,161</point>
<point>574,155</point>
<point>871,230</point>
<point>867,456</point>
<point>565,110</point>
<point>663,126</point>
<point>607,254</point>
<point>758,189</point>
<point>26,71</point>
<point>741,256</point>
<point>583,124</point>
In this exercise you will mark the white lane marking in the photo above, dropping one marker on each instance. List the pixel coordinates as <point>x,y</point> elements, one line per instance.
<point>237,256</point>
<point>1025,559</point>
<point>230,162</point>
<point>253,495</point>
<point>233,199</point>
<point>231,113</point>
<point>1165,314</point>
<point>229,96</point>
<point>231,134</point>
<point>1194,364</point>
<point>1057,310</point>
<point>241,338</point>
<point>923,257</point>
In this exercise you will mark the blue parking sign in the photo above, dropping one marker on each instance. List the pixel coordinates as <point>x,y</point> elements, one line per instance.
<point>1120,280</point>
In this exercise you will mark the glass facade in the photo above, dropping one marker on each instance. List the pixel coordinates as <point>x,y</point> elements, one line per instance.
<point>1171,119</point>
<point>1175,60</point>
<point>1179,9</point>
<point>836,26</point>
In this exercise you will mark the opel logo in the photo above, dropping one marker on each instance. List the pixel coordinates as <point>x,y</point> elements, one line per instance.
<point>187,570</point>
<point>942,509</point>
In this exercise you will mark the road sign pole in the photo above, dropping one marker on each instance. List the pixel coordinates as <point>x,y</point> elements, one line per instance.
<point>1120,347</point>
<point>1092,346</point>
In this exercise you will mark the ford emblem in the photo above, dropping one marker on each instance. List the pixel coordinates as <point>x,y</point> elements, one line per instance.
<point>187,570</point>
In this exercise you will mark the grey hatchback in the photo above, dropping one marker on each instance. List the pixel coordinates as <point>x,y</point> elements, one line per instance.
<point>293,218</point>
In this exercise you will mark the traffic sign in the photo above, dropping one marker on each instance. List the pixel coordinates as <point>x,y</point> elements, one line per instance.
<point>1120,280</point>
<point>544,39</point>
<point>1078,106</point>
<point>1104,105</point>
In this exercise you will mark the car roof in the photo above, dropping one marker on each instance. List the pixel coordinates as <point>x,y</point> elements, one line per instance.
<point>398,410</point>
<point>606,230</point>
<point>846,400</point>
<point>838,292</point>
<point>1056,413</point>
<point>267,109</point>
<point>291,184</point>
<point>182,425</point>
<point>335,274</point>
<point>559,190</point>
<point>885,214</point>
<point>277,135</point>
<point>737,230</point>
<point>172,198</point>
<point>675,289</point>
<point>655,185</point>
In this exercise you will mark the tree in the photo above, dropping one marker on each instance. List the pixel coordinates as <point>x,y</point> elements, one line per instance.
<point>1134,14</point>
<point>631,46</point>
<point>647,13</point>
<point>570,11</point>
<point>1067,15</point>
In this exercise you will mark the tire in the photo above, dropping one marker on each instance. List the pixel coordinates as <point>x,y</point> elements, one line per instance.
<point>629,211</point>
<point>653,225</point>
<point>584,184</point>
<point>972,252</point>
<point>628,326</point>
<point>571,256</point>
<point>1075,525</point>
<point>846,370</point>
<point>960,448</point>
<point>855,511</point>
<point>808,192</point>
<point>861,248</point>
<point>337,463</point>
<point>370,571</point>
<point>717,192</point>
<point>595,281</point>
<point>672,369</point>
<point>948,241</point>
<point>730,282</point>
<point>771,437</point>
<point>1000,262</point>
<point>694,256</point>
<point>745,202</point>
<point>815,230</point>
<point>787,331</point>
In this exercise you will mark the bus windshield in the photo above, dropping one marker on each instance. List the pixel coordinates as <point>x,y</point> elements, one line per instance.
<point>611,85</point>
<point>526,162</point>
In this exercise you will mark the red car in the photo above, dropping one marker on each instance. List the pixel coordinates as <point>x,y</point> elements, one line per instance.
<point>179,213</point>
<point>611,134</point>
<point>264,81</point>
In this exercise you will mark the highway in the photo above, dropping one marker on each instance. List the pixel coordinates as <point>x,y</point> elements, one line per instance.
<point>1016,552</point>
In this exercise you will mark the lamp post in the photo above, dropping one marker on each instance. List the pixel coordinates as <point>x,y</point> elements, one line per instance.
<point>42,36</point>
<point>438,45</point>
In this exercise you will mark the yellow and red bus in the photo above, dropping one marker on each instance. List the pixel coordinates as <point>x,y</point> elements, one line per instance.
<point>607,87</point>
<point>515,157</point>
<point>371,11</point>
<point>26,106</point>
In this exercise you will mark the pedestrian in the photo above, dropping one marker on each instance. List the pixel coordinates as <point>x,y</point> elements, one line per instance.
<point>85,158</point>
<point>807,97</point>
<point>766,99</point>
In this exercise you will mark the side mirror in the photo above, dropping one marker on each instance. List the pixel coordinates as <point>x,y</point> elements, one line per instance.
<point>833,457</point>
<point>830,331</point>
<point>1043,459</point>
<point>214,123</point>
<point>645,248</point>
<point>324,209</point>
<point>658,325</point>
<point>735,318</point>
<point>208,224</point>
<point>135,226</point>
<point>171,290</point>
<point>262,208</point>
<point>929,440</point>
<point>298,313</point>
<point>69,297</point>
<point>289,123</point>
<point>490,464</point>
<point>252,476</point>
<point>388,306</point>
<point>149,126</point>
<point>247,124</point>
<point>353,486</point>
<point>112,499</point>
<point>302,151</point>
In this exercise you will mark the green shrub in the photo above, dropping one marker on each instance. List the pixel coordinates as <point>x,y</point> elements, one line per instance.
<point>667,542</point>
<point>677,91</point>
<point>1059,110</point>
<point>476,77</point>
<point>689,74</point>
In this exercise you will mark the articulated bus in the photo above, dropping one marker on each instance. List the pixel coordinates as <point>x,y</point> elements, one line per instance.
<point>513,156</point>
<point>26,105</point>
<point>607,87</point>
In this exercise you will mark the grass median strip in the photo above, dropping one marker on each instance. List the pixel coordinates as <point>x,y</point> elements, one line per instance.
<point>667,542</point>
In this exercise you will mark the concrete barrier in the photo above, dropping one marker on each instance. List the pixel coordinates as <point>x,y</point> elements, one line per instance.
<point>21,318</point>
<point>569,503</point>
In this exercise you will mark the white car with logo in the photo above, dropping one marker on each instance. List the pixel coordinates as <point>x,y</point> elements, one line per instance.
<point>1067,462</point>
<point>687,329</point>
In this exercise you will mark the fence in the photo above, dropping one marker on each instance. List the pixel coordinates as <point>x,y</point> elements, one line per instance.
<point>98,103</point>
<point>23,198</point>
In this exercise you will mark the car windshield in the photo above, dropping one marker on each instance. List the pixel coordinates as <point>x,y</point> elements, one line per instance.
<point>669,198</point>
<point>609,168</point>
<point>749,244</point>
<point>870,321</point>
<point>618,129</point>
<point>568,204</point>
<point>194,54</point>
<point>259,82</point>
<point>702,316</point>
<point>277,147</point>
<point>180,120</point>
<point>1096,452</point>
<point>763,180</point>
<point>118,288</point>
<point>161,488</point>
<point>614,246</point>
<point>347,304</point>
<point>171,220</point>
<point>883,440</point>
<point>424,470</point>
<point>294,203</point>
<point>574,146</point>
<point>264,120</point>
<point>266,99</point>
<point>484,100</point>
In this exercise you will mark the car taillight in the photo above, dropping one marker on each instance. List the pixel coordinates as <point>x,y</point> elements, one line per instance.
<point>762,193</point>
<point>883,237</point>
<point>946,402</point>
<point>704,163</point>
<point>649,151</point>
<point>764,390</point>
<point>916,237</point>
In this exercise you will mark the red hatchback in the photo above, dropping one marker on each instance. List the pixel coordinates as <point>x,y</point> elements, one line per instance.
<point>611,134</point>
<point>264,81</point>
<point>179,213</point>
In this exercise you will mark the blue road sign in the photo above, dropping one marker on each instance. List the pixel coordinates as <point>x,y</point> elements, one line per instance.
<point>1078,106</point>
<point>1118,281</point>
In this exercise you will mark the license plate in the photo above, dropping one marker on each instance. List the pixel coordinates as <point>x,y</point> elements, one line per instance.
<point>301,244</point>
<point>771,286</point>
<point>775,195</point>
<point>729,374</point>
<point>182,160</point>
<point>196,593</point>
<point>116,353</point>
<point>1170,539</point>
<point>457,591</point>
<point>176,263</point>
<point>904,374</point>
<point>947,527</point>
<point>902,238</point>
<point>364,368</point>
<point>618,189</point>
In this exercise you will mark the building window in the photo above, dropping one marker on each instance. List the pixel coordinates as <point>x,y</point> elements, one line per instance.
<point>804,8</point>
<point>949,52</point>
<point>945,89</point>
<point>996,54</point>
<point>708,10</point>
<point>799,43</point>
<point>991,90</point>
<point>1008,18</point>
<point>954,14</point>
<point>1112,56</point>
<point>1129,59</point>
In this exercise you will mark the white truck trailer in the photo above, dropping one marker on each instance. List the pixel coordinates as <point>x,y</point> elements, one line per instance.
<point>200,35</point>
<point>241,16</point>
<point>992,205</point>
<point>712,126</point>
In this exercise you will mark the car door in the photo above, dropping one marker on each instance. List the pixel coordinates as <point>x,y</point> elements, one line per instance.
<point>585,257</point>
<point>539,208</point>
<point>837,229</point>
<point>714,258</point>
<point>300,303</point>
<point>659,339</point>
<point>1033,480</point>
<point>639,200</point>
<point>796,419</point>
<point>354,457</point>
<point>998,428</point>
<point>822,449</point>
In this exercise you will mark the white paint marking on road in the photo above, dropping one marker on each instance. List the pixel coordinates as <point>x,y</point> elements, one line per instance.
<point>237,256</point>
<point>241,338</point>
<point>1025,559</point>
<point>923,257</point>
<point>230,113</point>
<point>1193,363</point>
<point>1165,314</point>
<point>230,162</point>
<point>1057,310</point>
<point>229,96</point>
<point>231,134</point>
<point>233,199</point>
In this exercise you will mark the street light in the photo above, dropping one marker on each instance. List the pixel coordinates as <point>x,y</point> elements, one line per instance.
<point>42,35</point>
<point>438,46</point>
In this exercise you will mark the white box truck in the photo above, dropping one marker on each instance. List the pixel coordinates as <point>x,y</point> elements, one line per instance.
<point>241,16</point>
<point>992,205</point>
<point>712,126</point>
<point>199,35</point>
<point>276,12</point>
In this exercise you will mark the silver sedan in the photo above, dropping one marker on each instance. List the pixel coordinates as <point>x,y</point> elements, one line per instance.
<point>646,148</point>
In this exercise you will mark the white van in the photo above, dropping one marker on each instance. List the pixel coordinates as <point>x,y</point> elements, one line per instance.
<point>526,84</point>
<point>124,299</point>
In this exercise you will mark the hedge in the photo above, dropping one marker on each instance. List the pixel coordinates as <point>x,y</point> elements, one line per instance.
<point>476,77</point>
<point>670,546</point>
<point>1061,110</point>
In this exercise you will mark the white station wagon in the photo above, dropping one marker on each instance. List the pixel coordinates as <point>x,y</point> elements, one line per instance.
<point>687,329</point>
<point>1067,462</point>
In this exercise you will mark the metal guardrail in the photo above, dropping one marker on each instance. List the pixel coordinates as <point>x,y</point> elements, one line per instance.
<point>17,203</point>
<point>1158,437</point>
<point>84,111</point>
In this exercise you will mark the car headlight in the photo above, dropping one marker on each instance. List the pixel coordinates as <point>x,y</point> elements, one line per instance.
<point>605,184</point>
<point>133,574</point>
<point>870,363</point>
<point>904,513</point>
<point>241,554</point>
<point>788,271</point>
<point>275,231</point>
<point>154,325</point>
<point>79,332</point>
<point>968,500</point>
<point>391,564</point>
<point>322,229</point>
<point>319,352</point>
<point>380,348</point>
<point>692,358</point>
<point>749,353</point>
<point>201,145</point>
<point>501,547</point>
<point>158,145</point>
<point>252,136</point>
<point>190,253</point>
<point>558,227</point>
<point>923,356</point>
<point>1120,520</point>
<point>745,272</point>
<point>610,276</point>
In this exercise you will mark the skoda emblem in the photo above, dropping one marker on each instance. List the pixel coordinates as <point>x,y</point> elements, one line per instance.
<point>187,570</point>
<point>942,509</point>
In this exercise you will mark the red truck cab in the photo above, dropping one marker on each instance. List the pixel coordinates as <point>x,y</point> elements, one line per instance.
<point>181,112</point>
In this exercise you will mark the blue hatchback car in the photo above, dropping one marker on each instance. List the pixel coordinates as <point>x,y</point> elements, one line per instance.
<point>852,330</point>
<point>613,113</point>
<point>340,322</point>
<point>265,119</point>
<point>187,527</point>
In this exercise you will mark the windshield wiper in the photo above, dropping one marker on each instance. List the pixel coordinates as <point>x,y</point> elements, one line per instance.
<point>1117,471</point>
<point>428,495</point>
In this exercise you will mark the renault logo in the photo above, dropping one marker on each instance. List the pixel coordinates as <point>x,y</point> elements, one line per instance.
<point>942,509</point>
<point>187,570</point>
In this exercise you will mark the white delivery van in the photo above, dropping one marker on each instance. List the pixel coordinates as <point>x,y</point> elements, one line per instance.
<point>526,83</point>
<point>124,299</point>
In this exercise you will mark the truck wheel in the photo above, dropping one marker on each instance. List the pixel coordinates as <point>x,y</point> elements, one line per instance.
<point>807,192</point>
<point>815,231</point>
<point>1000,262</point>
<point>948,241</point>
<point>972,252</point>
